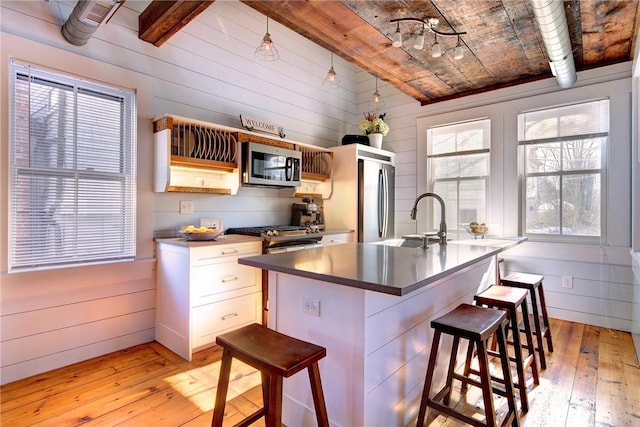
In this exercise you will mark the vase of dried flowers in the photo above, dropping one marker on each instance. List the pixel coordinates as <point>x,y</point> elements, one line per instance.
<point>375,128</point>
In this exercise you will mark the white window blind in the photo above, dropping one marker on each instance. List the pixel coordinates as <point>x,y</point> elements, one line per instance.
<point>563,163</point>
<point>72,171</point>
<point>458,160</point>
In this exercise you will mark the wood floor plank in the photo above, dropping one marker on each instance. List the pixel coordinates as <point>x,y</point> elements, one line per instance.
<point>582,409</point>
<point>614,405</point>
<point>550,402</point>
<point>39,387</point>
<point>148,385</point>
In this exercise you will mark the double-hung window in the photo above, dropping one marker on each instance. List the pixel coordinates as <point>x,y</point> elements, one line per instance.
<point>72,191</point>
<point>562,152</point>
<point>458,160</point>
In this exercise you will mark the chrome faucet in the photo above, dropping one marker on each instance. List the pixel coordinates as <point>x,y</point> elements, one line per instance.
<point>442,232</point>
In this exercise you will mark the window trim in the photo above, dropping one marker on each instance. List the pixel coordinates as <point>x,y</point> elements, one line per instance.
<point>128,160</point>
<point>602,171</point>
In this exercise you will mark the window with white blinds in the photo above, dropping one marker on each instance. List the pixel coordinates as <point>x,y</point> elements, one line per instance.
<point>562,151</point>
<point>458,160</point>
<point>72,192</point>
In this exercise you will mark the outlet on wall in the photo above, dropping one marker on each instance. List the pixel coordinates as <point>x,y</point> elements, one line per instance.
<point>186,206</point>
<point>567,282</point>
<point>311,306</point>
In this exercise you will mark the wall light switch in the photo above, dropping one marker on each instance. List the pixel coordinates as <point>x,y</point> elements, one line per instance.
<point>567,282</point>
<point>186,206</point>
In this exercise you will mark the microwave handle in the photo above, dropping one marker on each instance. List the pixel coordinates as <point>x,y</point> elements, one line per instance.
<point>288,169</point>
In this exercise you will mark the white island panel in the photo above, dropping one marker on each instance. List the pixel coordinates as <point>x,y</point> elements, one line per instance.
<point>376,360</point>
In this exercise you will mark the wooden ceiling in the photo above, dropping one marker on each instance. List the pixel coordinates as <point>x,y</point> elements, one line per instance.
<point>502,45</point>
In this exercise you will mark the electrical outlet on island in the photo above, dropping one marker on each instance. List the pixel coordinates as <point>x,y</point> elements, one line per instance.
<point>215,224</point>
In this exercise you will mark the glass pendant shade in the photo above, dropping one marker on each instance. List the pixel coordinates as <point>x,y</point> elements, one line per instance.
<point>376,102</point>
<point>331,81</point>
<point>436,50</point>
<point>419,43</point>
<point>458,53</point>
<point>397,37</point>
<point>267,50</point>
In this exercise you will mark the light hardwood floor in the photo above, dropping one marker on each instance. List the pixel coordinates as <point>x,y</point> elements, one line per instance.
<point>592,379</point>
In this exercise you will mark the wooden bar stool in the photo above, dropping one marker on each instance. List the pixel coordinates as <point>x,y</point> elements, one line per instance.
<point>541,328</point>
<point>276,356</point>
<point>510,299</point>
<point>477,325</point>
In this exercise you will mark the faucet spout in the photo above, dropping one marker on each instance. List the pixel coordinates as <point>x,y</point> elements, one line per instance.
<point>442,232</point>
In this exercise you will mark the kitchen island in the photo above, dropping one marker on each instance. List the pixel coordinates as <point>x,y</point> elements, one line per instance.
<point>370,305</point>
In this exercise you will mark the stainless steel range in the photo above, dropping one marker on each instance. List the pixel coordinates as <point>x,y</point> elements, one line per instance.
<point>283,238</point>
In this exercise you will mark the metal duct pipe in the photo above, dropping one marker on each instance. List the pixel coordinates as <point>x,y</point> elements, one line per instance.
<point>555,33</point>
<point>86,18</point>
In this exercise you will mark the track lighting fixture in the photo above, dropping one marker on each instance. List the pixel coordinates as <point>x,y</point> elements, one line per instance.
<point>429,24</point>
<point>267,50</point>
<point>331,81</point>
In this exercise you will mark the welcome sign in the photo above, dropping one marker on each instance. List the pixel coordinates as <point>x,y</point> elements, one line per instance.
<point>253,124</point>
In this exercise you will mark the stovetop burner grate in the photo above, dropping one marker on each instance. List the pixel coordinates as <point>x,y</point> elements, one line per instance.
<point>257,231</point>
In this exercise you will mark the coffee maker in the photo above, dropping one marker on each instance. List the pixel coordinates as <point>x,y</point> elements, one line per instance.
<point>307,214</point>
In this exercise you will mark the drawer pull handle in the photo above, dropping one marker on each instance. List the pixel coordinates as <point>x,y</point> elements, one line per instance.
<point>229,316</point>
<point>230,251</point>
<point>229,279</point>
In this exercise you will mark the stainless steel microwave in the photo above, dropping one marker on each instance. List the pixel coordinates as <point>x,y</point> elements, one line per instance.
<point>270,166</point>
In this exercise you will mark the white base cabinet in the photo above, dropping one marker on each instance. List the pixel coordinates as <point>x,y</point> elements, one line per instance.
<point>204,292</point>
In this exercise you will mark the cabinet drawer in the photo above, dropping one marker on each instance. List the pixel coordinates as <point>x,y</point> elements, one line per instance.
<point>210,280</point>
<point>336,239</point>
<point>221,253</point>
<point>213,319</point>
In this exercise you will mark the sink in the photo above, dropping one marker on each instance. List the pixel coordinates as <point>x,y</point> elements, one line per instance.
<point>407,243</point>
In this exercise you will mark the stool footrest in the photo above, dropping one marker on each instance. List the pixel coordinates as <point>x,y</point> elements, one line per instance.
<point>251,418</point>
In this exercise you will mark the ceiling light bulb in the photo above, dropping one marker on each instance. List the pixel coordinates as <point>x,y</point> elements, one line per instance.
<point>397,37</point>
<point>436,50</point>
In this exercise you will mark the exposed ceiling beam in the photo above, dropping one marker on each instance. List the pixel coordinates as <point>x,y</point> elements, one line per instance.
<point>162,19</point>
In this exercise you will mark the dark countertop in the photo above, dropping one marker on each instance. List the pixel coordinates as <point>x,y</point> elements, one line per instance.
<point>382,268</point>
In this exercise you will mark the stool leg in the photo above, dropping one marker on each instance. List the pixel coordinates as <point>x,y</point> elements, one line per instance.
<point>485,381</point>
<point>221,392</point>
<point>273,417</point>
<point>517,349</point>
<point>538,331</point>
<point>506,373</point>
<point>318,396</point>
<point>545,317</point>
<point>451,369</point>
<point>530,348</point>
<point>467,365</point>
<point>429,378</point>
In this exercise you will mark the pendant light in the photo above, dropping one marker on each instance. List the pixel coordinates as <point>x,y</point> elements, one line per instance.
<point>458,53</point>
<point>331,81</point>
<point>436,50</point>
<point>376,102</point>
<point>397,37</point>
<point>267,50</point>
<point>419,43</point>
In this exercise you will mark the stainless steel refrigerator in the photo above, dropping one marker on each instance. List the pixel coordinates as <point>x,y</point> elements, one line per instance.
<point>376,182</point>
<point>363,193</point>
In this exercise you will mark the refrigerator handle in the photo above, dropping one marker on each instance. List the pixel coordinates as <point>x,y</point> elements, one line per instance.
<point>383,203</point>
